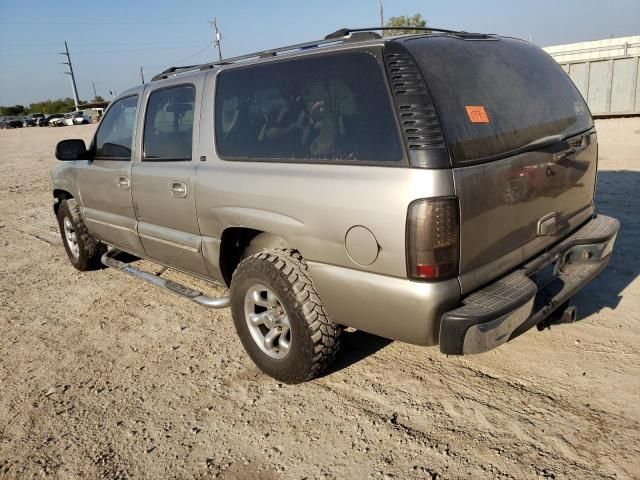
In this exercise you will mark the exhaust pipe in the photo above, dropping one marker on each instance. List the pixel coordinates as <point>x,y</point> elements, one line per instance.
<point>564,314</point>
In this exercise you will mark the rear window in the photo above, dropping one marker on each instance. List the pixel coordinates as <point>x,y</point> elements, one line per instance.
<point>497,96</point>
<point>329,108</point>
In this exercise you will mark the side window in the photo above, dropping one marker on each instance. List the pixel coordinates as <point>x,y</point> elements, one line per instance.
<point>114,136</point>
<point>328,108</point>
<point>168,124</point>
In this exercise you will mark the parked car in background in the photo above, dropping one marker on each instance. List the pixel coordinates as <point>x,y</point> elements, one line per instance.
<point>46,121</point>
<point>10,122</point>
<point>77,118</point>
<point>60,120</point>
<point>31,119</point>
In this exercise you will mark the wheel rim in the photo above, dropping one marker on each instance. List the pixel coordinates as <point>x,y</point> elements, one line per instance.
<point>267,321</point>
<point>513,192</point>
<point>70,236</point>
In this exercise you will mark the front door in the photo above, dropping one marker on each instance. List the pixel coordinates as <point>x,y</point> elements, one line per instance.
<point>163,179</point>
<point>104,181</point>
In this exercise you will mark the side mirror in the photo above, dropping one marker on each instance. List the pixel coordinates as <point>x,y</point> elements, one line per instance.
<point>71,150</point>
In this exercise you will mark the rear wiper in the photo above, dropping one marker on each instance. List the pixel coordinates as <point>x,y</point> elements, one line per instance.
<point>542,142</point>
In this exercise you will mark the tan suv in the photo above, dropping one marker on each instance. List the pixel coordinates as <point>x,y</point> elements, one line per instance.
<point>435,188</point>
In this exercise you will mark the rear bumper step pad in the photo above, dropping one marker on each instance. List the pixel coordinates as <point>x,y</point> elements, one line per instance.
<point>511,305</point>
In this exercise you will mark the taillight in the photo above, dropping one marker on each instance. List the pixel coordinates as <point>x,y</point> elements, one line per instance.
<point>433,239</point>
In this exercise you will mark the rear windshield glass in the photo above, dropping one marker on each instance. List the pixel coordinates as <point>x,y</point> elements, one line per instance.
<point>496,96</point>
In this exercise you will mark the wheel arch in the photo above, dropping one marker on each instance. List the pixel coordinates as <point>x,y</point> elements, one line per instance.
<point>59,195</point>
<point>237,243</point>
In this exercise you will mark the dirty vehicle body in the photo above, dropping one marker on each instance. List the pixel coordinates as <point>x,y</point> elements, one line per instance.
<point>436,189</point>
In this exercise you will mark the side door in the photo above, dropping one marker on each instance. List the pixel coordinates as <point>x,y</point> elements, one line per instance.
<point>163,178</point>
<point>104,181</point>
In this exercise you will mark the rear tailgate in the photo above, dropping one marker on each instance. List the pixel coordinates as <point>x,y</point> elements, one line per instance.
<point>522,144</point>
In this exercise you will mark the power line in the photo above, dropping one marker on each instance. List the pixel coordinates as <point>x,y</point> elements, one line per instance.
<point>178,62</point>
<point>102,22</point>
<point>39,44</point>
<point>95,52</point>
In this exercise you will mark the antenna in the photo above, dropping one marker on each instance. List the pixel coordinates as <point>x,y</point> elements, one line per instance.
<point>218,37</point>
<point>76,100</point>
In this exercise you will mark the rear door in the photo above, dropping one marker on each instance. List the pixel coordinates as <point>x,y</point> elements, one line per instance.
<point>522,144</point>
<point>163,178</point>
<point>104,181</point>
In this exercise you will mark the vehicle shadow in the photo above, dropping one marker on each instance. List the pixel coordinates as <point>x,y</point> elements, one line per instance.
<point>356,346</point>
<point>618,196</point>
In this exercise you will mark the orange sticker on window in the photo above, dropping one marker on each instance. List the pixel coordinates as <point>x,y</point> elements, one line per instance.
<point>477,114</point>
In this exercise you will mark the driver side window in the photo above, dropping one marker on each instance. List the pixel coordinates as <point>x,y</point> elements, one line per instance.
<point>115,134</point>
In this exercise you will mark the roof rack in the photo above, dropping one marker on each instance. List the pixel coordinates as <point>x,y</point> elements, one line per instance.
<point>348,37</point>
<point>339,36</point>
<point>346,31</point>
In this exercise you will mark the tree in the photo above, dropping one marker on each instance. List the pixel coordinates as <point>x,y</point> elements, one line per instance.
<point>404,21</point>
<point>98,98</point>
<point>62,105</point>
<point>14,111</point>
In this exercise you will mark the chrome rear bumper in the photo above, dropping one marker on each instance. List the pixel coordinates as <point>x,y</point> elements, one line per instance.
<point>504,309</point>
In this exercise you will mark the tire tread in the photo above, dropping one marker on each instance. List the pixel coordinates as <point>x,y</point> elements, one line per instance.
<point>323,332</point>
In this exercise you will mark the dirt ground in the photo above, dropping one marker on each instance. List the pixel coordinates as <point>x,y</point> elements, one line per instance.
<point>103,376</point>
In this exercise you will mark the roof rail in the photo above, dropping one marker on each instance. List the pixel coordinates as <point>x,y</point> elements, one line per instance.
<point>359,36</point>
<point>339,36</point>
<point>347,31</point>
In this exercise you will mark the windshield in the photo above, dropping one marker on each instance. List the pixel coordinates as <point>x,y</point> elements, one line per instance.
<point>497,96</point>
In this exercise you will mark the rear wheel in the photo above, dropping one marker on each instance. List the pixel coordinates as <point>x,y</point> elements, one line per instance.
<point>84,251</point>
<point>279,317</point>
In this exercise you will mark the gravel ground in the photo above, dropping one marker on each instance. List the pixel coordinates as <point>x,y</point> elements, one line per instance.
<point>103,376</point>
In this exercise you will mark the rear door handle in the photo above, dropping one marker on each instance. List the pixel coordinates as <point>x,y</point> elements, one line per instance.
<point>178,190</point>
<point>123,182</point>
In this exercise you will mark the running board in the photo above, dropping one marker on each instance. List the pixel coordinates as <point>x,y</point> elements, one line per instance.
<point>155,279</point>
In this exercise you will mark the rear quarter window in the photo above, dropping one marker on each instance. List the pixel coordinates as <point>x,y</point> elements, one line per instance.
<point>325,108</point>
<point>496,96</point>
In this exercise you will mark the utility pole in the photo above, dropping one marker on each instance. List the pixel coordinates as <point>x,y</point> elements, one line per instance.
<point>95,94</point>
<point>76,100</point>
<point>142,75</point>
<point>381,14</point>
<point>218,37</point>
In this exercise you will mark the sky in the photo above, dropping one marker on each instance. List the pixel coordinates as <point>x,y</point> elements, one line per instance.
<point>110,41</point>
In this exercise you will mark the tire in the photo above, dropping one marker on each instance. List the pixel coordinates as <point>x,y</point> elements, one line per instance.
<point>308,340</point>
<point>84,251</point>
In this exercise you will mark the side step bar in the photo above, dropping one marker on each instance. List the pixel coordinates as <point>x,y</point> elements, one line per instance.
<point>109,260</point>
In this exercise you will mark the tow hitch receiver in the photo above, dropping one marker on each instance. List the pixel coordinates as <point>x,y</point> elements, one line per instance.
<point>564,314</point>
<point>200,298</point>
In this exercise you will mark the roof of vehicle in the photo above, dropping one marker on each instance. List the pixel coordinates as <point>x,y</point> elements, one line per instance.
<point>344,38</point>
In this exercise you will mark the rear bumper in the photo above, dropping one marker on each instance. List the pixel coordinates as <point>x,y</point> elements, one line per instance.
<point>504,309</point>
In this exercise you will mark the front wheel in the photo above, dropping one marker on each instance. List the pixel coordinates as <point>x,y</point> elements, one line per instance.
<point>279,317</point>
<point>84,251</point>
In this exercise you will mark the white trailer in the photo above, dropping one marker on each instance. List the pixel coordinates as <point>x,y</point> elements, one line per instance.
<point>607,73</point>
